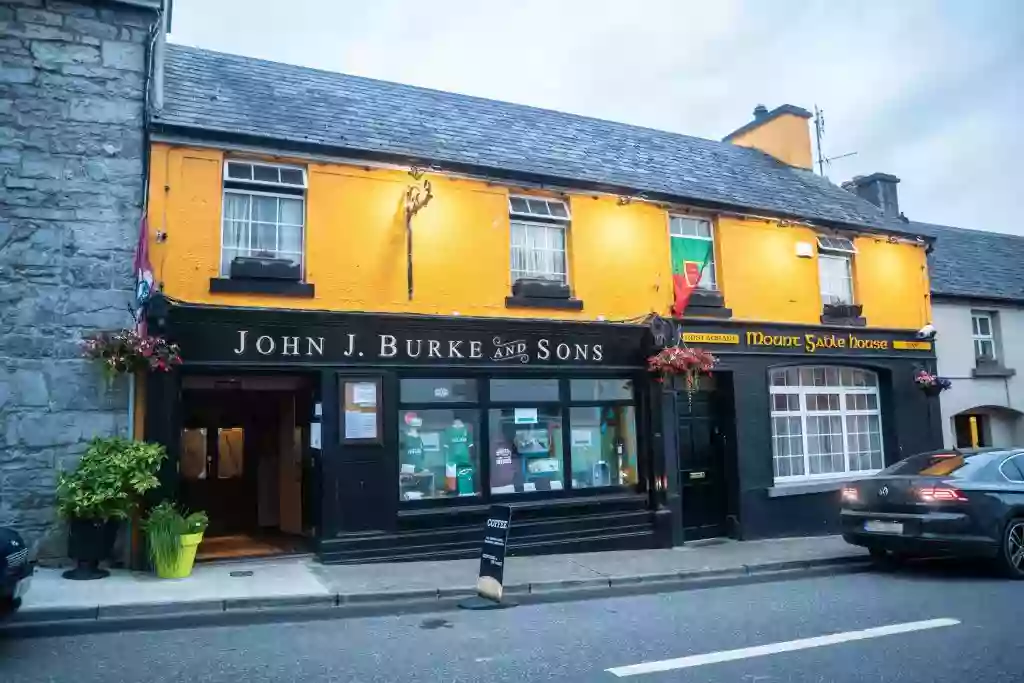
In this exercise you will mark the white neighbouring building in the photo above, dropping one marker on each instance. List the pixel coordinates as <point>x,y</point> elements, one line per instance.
<point>977,285</point>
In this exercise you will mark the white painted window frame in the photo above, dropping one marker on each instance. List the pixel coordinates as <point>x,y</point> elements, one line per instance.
<point>223,269</point>
<point>826,282</point>
<point>980,340</point>
<point>803,413</point>
<point>711,269</point>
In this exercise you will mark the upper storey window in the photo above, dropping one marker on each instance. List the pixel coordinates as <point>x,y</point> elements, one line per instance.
<point>264,217</point>
<point>539,228</point>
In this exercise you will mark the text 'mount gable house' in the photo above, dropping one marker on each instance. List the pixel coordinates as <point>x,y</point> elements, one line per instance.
<point>397,306</point>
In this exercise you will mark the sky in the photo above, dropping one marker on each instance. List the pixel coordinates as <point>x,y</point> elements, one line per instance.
<point>931,91</point>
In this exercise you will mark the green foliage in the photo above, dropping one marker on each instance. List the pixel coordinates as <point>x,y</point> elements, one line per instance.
<point>109,480</point>
<point>196,522</point>
<point>164,528</point>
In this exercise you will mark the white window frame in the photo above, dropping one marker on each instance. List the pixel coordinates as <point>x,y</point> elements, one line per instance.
<point>224,269</point>
<point>825,283</point>
<point>709,276</point>
<point>528,222</point>
<point>803,413</point>
<point>528,215</point>
<point>981,339</point>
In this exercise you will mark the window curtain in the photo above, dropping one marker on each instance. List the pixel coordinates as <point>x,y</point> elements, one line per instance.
<point>236,230</point>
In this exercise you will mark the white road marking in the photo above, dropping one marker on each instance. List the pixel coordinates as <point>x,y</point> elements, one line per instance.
<point>775,648</point>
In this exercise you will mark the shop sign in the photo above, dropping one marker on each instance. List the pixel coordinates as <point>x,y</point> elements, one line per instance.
<point>367,347</point>
<point>796,341</point>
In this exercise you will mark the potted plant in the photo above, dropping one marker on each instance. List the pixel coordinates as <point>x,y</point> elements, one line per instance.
<point>127,351</point>
<point>684,361</point>
<point>930,383</point>
<point>103,489</point>
<point>172,538</point>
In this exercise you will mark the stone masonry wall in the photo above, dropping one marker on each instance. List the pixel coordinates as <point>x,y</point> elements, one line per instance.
<point>72,77</point>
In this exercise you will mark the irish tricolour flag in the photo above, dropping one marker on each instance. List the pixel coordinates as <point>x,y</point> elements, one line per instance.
<point>688,260</point>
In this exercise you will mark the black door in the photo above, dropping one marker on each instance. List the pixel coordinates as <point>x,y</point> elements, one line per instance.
<point>366,480</point>
<point>702,471</point>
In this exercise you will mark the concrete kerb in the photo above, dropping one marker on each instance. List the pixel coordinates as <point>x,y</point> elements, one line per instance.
<point>250,610</point>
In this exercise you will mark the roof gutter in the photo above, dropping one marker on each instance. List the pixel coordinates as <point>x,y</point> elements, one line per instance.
<point>214,138</point>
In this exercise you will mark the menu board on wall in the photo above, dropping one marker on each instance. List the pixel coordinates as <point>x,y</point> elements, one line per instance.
<point>360,411</point>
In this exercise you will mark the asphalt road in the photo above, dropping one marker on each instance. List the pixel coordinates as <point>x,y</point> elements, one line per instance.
<point>979,636</point>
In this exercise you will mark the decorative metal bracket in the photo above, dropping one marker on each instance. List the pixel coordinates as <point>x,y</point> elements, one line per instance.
<point>416,198</point>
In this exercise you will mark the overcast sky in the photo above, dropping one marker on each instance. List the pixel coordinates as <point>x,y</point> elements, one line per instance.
<point>928,90</point>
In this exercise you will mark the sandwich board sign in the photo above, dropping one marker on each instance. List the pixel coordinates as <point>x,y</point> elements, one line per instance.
<point>491,578</point>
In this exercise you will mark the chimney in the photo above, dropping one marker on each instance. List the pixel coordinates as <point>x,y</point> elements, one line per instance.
<point>879,189</point>
<point>781,132</point>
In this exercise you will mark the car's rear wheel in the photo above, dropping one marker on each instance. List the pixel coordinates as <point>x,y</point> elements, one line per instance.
<point>883,559</point>
<point>9,605</point>
<point>1012,555</point>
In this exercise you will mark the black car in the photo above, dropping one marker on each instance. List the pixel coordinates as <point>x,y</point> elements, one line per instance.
<point>967,503</point>
<point>15,570</point>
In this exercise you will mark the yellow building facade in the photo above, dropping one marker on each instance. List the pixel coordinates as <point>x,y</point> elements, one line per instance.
<point>617,250</point>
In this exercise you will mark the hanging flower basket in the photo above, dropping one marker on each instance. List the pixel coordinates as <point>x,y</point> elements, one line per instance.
<point>930,384</point>
<point>682,361</point>
<point>126,351</point>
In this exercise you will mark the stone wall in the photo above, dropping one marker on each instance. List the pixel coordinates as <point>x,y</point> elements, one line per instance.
<point>72,78</point>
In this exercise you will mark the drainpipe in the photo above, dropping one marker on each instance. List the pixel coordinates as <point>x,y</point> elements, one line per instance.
<point>131,406</point>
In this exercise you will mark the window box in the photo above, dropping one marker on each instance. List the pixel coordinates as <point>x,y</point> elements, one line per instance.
<point>262,268</point>
<point>707,304</point>
<point>847,315</point>
<point>842,310</point>
<point>538,288</point>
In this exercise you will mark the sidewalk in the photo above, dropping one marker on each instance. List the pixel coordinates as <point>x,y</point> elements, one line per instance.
<point>236,592</point>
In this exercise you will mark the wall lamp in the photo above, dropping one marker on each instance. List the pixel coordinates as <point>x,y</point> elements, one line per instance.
<point>804,250</point>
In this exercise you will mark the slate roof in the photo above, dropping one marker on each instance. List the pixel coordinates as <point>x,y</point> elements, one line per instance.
<point>974,263</point>
<point>220,95</point>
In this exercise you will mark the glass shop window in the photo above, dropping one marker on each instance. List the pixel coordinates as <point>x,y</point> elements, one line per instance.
<point>524,390</point>
<point>438,453</point>
<point>526,449</point>
<point>603,443</point>
<point>431,390</point>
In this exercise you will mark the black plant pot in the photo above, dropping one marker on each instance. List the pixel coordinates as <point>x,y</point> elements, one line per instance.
<point>932,390</point>
<point>89,542</point>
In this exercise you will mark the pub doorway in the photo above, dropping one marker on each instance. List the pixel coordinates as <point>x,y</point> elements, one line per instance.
<point>708,477</point>
<point>245,460</point>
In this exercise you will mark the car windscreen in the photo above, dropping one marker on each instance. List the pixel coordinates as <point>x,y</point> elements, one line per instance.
<point>952,464</point>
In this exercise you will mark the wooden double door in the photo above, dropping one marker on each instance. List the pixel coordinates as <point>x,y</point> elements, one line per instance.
<point>242,460</point>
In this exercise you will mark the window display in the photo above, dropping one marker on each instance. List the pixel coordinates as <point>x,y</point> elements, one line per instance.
<point>602,440</point>
<point>526,450</point>
<point>538,434</point>
<point>437,454</point>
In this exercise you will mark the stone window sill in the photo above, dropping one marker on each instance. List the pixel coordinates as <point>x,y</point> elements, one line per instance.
<point>536,302</point>
<point>803,488</point>
<point>301,290</point>
<point>992,370</point>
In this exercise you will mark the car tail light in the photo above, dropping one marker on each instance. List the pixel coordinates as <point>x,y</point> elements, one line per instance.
<point>936,494</point>
<point>850,494</point>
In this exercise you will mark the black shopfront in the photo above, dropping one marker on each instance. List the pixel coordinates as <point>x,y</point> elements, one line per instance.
<point>762,447</point>
<point>381,437</point>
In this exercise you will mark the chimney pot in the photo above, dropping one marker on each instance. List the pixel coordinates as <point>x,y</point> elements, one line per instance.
<point>760,111</point>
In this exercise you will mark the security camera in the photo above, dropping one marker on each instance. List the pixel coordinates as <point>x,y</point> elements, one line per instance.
<point>927,332</point>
